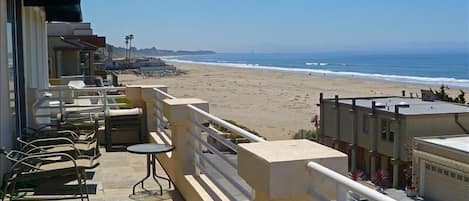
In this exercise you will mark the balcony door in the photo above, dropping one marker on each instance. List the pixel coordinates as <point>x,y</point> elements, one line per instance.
<point>16,83</point>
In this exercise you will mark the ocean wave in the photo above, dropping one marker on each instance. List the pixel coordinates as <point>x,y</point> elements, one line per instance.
<point>433,81</point>
<point>316,64</point>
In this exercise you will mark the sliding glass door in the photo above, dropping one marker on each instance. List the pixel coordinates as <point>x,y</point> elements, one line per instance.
<point>15,67</point>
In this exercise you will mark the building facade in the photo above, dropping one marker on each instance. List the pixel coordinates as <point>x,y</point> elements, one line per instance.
<point>441,167</point>
<point>23,60</point>
<point>377,132</point>
<point>72,48</point>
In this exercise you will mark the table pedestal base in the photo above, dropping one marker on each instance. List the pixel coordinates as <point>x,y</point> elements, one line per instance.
<point>151,171</point>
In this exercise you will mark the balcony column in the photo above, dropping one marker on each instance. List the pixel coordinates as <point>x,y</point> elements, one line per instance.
<point>179,117</point>
<point>277,171</point>
<point>149,97</point>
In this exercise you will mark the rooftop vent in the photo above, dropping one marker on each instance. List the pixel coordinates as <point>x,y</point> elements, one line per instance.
<point>427,95</point>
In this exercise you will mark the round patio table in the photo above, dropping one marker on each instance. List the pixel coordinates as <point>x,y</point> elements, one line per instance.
<point>150,150</point>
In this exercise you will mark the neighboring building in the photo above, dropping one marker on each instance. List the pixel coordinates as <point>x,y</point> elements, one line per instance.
<point>23,59</point>
<point>441,167</point>
<point>72,48</point>
<point>377,132</point>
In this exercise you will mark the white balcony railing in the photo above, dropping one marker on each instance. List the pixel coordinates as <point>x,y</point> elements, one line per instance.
<point>206,162</point>
<point>221,167</point>
<point>346,187</point>
<point>162,123</point>
<point>66,101</point>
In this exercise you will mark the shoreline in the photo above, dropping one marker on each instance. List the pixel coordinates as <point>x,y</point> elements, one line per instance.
<point>398,79</point>
<point>273,103</point>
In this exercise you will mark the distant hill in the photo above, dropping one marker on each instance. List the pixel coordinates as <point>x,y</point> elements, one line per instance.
<point>120,52</point>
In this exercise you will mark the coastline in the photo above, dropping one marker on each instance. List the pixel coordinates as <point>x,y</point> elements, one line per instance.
<point>273,103</point>
<point>433,82</point>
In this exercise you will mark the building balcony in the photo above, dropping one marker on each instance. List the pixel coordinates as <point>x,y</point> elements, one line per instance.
<point>206,164</point>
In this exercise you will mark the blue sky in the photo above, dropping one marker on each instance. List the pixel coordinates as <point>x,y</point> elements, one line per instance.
<point>283,26</point>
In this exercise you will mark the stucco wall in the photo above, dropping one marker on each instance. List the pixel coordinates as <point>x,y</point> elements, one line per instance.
<point>411,126</point>
<point>433,125</point>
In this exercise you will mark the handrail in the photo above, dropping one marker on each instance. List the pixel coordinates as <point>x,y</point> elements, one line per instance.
<point>66,88</point>
<point>349,183</point>
<point>227,125</point>
<point>161,123</point>
<point>164,93</point>
<point>343,182</point>
<point>100,100</point>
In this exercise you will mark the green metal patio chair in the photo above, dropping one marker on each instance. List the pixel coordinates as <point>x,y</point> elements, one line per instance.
<point>36,167</point>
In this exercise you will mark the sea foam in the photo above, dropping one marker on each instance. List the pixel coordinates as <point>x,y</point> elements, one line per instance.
<point>431,81</point>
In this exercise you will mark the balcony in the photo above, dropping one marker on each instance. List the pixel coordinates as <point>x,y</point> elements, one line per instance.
<point>206,164</point>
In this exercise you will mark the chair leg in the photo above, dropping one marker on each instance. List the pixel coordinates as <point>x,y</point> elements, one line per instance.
<point>12,190</point>
<point>80,186</point>
<point>85,185</point>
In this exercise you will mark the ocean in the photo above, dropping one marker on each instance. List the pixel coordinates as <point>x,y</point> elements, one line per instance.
<point>451,69</point>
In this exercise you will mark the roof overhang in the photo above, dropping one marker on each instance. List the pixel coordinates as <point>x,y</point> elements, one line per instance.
<point>59,10</point>
<point>98,41</point>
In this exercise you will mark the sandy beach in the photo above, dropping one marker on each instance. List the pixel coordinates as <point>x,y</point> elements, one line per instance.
<point>273,103</point>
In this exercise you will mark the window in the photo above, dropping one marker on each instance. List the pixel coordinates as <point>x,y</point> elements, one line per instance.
<point>85,63</point>
<point>384,129</point>
<point>366,123</point>
<point>391,136</point>
<point>453,175</point>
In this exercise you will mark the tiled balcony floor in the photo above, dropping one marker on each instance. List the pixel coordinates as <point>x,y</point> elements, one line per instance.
<point>113,179</point>
<point>119,171</point>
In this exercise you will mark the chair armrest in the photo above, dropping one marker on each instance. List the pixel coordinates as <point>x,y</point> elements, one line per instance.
<point>44,149</point>
<point>33,143</point>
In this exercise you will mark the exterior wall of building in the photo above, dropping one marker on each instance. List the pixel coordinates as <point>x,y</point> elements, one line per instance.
<point>34,54</point>
<point>433,125</point>
<point>5,138</point>
<point>35,47</point>
<point>411,126</point>
<point>440,173</point>
<point>61,29</point>
<point>364,135</point>
<point>393,135</point>
<point>328,118</point>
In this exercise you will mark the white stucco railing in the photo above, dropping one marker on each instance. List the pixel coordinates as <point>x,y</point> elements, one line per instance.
<point>344,185</point>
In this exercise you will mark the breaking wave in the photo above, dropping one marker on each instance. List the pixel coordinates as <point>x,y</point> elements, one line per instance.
<point>433,81</point>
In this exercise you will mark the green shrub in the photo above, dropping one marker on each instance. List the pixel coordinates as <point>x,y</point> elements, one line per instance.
<point>305,134</point>
<point>443,95</point>
<point>123,100</point>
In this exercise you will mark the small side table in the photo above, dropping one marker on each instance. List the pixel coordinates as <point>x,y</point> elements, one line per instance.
<point>150,150</point>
